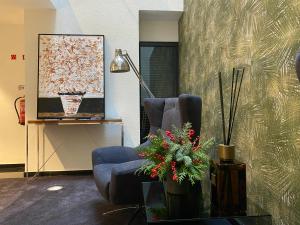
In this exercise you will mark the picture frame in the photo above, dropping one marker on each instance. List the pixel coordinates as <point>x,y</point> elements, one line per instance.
<point>71,76</point>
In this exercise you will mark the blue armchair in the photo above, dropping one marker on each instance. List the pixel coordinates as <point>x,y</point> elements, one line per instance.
<point>114,167</point>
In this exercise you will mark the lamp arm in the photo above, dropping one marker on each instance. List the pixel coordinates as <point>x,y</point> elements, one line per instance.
<point>138,75</point>
<point>129,60</point>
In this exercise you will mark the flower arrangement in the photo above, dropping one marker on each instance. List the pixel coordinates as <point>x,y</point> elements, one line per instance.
<point>176,153</point>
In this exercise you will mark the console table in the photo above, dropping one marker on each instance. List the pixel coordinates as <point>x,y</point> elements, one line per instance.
<point>156,211</point>
<point>62,122</point>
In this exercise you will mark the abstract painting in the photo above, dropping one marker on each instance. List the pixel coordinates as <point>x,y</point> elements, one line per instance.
<point>71,76</point>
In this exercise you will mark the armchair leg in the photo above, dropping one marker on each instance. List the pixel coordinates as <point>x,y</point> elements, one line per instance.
<point>118,210</point>
<point>137,211</point>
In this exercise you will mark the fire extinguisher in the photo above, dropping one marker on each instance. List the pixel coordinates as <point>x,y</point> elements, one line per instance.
<point>21,112</point>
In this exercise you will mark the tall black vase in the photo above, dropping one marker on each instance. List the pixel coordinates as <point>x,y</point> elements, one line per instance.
<point>183,200</point>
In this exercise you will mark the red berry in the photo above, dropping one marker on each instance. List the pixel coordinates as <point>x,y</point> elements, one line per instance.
<point>168,133</point>
<point>175,177</point>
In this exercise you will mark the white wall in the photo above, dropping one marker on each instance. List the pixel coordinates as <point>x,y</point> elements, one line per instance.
<point>159,31</point>
<point>12,73</point>
<point>26,4</point>
<point>119,22</point>
<point>11,16</point>
<point>159,26</point>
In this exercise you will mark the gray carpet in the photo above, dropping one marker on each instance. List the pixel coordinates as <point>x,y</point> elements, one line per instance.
<point>78,203</point>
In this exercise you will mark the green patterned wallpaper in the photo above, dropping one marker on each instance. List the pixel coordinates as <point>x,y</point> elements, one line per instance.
<point>263,35</point>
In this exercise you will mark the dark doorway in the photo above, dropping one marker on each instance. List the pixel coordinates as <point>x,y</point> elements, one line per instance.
<point>159,69</point>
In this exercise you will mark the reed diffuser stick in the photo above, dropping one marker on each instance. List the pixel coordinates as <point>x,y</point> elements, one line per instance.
<point>236,104</point>
<point>235,80</point>
<point>222,106</point>
<point>231,105</point>
<point>236,83</point>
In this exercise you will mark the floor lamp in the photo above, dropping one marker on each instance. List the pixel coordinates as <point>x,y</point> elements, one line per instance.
<point>122,63</point>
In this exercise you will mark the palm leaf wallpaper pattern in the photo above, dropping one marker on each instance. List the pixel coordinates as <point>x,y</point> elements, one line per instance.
<point>263,36</point>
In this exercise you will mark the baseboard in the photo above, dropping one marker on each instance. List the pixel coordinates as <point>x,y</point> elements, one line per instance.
<point>61,173</point>
<point>4,168</point>
<point>7,175</point>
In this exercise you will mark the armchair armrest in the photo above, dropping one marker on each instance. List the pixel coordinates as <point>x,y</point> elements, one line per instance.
<point>114,154</point>
<point>125,186</point>
<point>145,144</point>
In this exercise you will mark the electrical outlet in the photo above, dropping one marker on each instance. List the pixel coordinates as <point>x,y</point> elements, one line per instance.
<point>21,87</point>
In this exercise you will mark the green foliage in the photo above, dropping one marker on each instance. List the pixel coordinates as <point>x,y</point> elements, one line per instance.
<point>176,153</point>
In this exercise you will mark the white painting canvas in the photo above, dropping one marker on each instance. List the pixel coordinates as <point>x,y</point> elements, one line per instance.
<point>71,67</point>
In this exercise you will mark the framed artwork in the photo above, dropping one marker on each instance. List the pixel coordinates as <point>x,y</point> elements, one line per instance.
<point>70,76</point>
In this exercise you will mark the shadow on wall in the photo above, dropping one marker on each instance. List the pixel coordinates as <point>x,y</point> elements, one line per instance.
<point>66,21</point>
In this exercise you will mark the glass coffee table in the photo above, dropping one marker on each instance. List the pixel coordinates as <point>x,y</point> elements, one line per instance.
<point>156,211</point>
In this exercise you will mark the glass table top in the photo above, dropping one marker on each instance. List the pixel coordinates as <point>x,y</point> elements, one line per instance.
<point>156,211</point>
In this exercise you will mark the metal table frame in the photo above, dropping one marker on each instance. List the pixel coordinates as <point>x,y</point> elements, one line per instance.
<point>61,122</point>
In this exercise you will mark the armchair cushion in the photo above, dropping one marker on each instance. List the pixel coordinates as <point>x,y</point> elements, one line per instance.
<point>154,107</point>
<point>122,169</point>
<point>171,114</point>
<point>190,110</point>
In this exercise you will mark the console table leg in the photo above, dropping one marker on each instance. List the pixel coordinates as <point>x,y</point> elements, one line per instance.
<point>26,170</point>
<point>122,134</point>
<point>38,149</point>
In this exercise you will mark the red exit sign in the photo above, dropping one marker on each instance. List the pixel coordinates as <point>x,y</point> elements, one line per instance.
<point>14,57</point>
